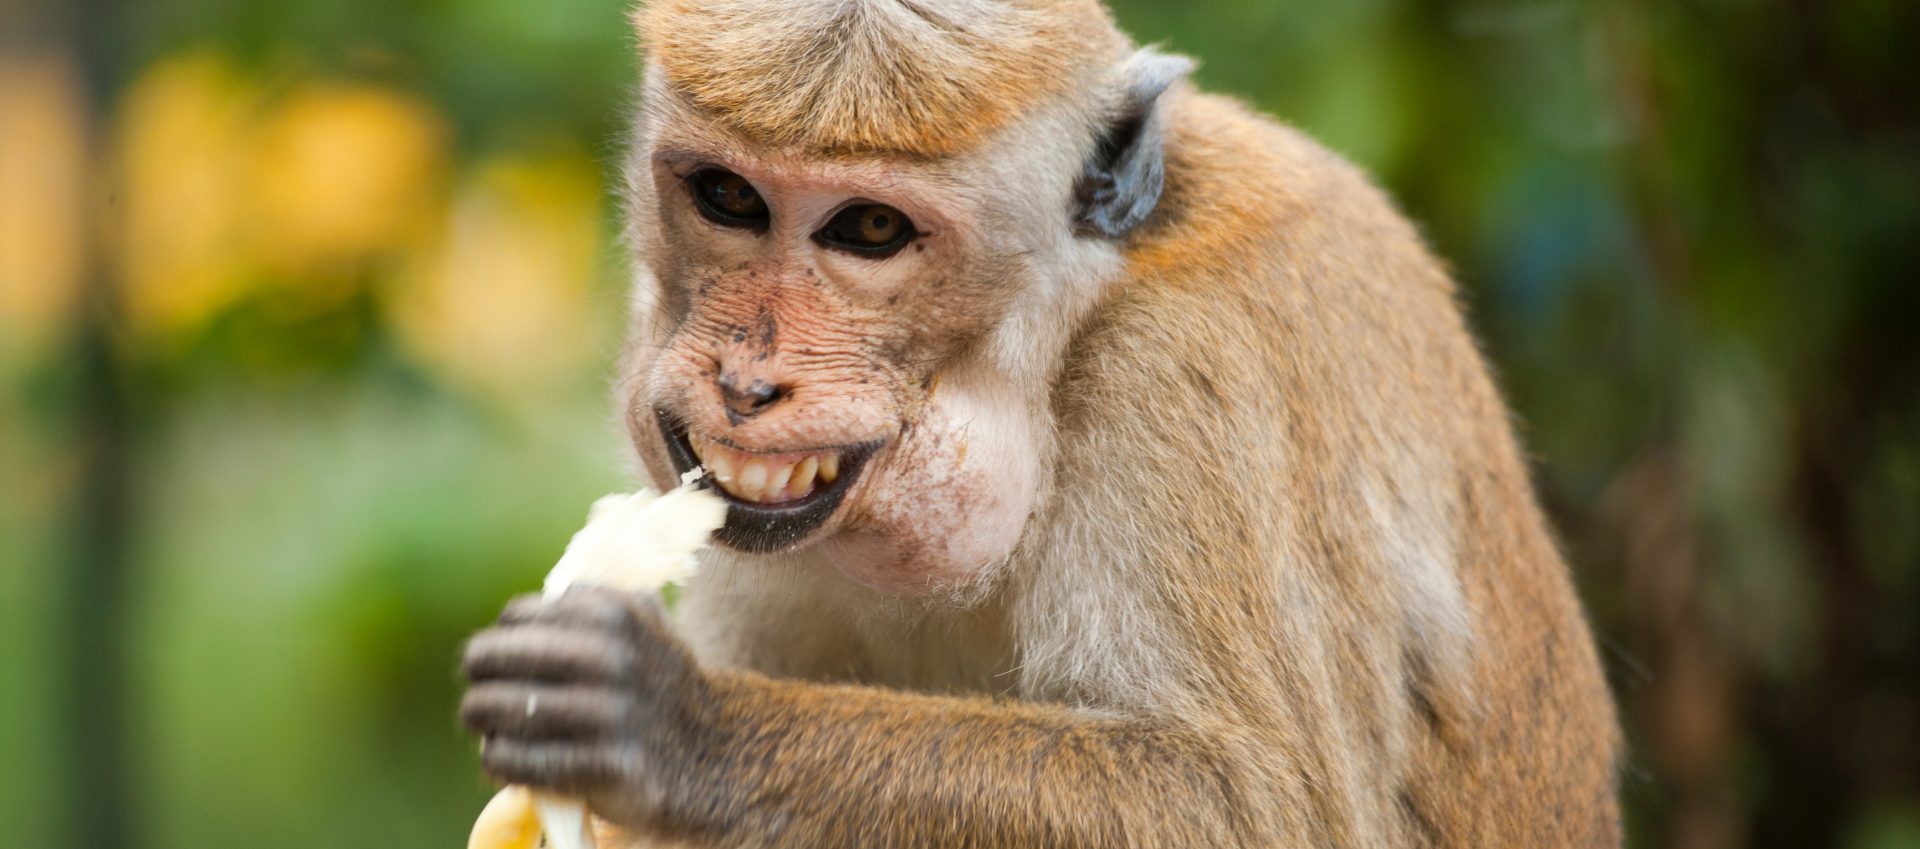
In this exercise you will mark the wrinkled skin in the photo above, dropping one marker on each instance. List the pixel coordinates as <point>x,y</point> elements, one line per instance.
<point>896,355</point>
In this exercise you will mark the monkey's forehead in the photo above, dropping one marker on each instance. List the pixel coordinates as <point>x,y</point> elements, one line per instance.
<point>916,78</point>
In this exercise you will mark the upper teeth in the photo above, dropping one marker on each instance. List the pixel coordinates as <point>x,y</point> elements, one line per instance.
<point>765,478</point>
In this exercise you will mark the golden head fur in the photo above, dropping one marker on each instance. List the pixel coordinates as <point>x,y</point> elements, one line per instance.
<point>919,78</point>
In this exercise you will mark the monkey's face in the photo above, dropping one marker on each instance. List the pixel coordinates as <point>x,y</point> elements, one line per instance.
<point>828,339</point>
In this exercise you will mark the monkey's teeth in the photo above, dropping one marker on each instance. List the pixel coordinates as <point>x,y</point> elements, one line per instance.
<point>765,478</point>
<point>721,463</point>
<point>803,474</point>
<point>753,480</point>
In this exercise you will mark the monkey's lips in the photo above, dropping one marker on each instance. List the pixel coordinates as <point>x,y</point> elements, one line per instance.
<point>774,500</point>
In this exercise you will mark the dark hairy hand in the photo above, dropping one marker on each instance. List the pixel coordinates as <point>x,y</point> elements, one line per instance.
<point>590,695</point>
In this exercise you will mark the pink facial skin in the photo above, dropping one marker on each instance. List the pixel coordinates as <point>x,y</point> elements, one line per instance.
<point>864,351</point>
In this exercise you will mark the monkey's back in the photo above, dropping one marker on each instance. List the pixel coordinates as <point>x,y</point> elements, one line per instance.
<point>1296,454</point>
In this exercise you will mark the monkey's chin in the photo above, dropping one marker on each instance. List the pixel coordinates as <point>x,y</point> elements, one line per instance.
<point>762,528</point>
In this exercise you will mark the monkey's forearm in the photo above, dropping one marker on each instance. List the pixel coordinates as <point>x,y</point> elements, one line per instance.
<point>808,765</point>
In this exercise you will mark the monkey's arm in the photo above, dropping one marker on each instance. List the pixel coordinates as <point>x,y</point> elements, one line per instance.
<point>622,716</point>
<point>861,766</point>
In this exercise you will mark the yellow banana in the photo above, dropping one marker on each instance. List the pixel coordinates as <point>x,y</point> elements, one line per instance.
<point>507,822</point>
<point>638,542</point>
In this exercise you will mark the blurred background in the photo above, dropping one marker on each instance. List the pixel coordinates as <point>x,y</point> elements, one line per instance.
<point>307,309</point>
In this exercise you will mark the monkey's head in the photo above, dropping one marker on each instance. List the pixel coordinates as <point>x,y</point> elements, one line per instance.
<point>865,231</point>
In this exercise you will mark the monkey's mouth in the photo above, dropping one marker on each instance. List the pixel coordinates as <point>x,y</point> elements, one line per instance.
<point>774,500</point>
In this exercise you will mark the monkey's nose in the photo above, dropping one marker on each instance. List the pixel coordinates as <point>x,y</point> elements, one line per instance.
<point>750,400</point>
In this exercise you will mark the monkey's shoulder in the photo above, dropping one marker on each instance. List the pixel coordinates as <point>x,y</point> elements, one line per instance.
<point>1247,195</point>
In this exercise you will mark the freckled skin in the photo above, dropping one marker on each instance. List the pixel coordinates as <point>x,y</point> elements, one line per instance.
<point>922,515</point>
<point>852,345</point>
<point>936,528</point>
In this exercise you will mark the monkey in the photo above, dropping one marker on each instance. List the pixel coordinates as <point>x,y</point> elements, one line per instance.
<point>1107,465</point>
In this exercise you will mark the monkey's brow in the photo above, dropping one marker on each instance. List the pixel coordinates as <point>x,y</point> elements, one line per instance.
<point>687,156</point>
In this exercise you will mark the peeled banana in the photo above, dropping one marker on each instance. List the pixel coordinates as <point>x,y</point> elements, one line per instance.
<point>638,542</point>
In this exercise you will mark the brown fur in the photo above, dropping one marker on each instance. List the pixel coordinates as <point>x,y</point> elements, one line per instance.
<point>1284,582</point>
<point>1317,316</point>
<point>900,77</point>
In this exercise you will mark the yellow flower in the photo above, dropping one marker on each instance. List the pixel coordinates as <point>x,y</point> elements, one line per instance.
<point>343,173</point>
<point>43,168</point>
<point>221,190</point>
<point>502,298</point>
<point>181,152</point>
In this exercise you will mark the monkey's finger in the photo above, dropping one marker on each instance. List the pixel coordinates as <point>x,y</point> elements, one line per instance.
<point>640,616</point>
<point>644,610</point>
<point>547,653</point>
<point>660,659</point>
<point>543,713</point>
<point>607,607</point>
<point>571,768</point>
<point>580,607</point>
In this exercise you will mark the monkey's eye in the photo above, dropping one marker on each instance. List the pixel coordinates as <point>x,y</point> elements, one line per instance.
<point>727,199</point>
<point>868,230</point>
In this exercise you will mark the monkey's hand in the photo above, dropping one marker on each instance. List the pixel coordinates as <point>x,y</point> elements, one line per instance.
<point>589,695</point>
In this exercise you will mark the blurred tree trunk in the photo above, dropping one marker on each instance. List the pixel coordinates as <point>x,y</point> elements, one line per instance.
<point>94,704</point>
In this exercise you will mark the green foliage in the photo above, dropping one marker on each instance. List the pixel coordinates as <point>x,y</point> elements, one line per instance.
<point>1685,231</point>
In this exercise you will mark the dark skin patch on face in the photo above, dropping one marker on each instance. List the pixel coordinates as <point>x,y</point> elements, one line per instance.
<point>895,350</point>
<point>765,330</point>
<point>679,306</point>
<point>767,326</point>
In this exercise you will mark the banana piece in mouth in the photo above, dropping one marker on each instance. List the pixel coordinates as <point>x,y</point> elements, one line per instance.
<point>638,542</point>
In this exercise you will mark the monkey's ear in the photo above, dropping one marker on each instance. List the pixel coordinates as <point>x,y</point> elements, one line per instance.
<point>1121,181</point>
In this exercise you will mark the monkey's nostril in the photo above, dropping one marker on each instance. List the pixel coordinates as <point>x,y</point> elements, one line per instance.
<point>762,393</point>
<point>750,400</point>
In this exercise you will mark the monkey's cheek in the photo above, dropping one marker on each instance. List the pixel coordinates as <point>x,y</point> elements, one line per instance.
<point>936,519</point>
<point>882,560</point>
<point>920,548</point>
